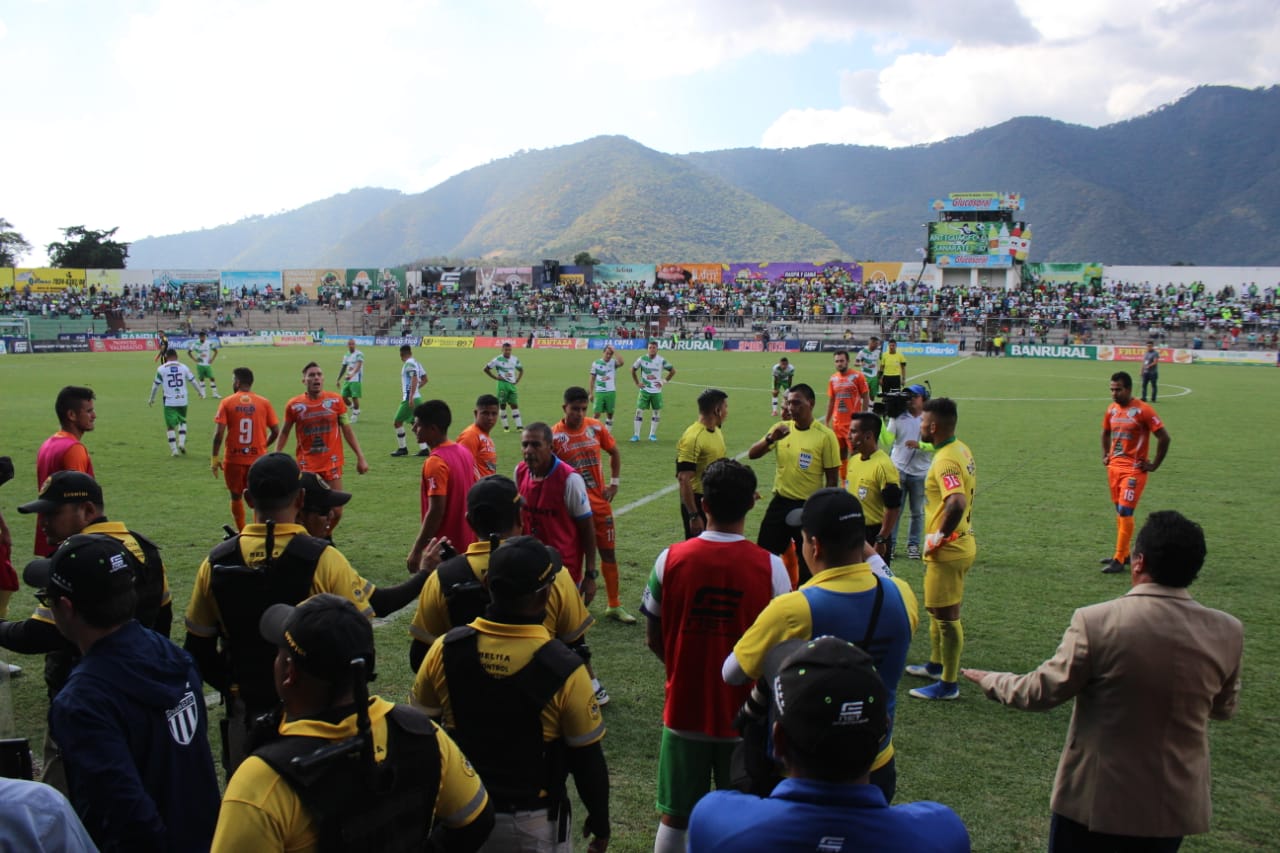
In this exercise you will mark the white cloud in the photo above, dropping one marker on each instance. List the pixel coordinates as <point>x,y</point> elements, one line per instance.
<point>1106,62</point>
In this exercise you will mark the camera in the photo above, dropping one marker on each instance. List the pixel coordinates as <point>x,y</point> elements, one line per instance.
<point>895,403</point>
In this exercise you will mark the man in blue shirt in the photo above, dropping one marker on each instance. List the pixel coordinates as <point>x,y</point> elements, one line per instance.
<point>131,719</point>
<point>830,713</point>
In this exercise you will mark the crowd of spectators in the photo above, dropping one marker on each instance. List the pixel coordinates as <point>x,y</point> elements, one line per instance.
<point>1038,310</point>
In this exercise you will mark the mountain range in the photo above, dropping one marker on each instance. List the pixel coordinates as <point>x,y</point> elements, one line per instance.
<point>1196,181</point>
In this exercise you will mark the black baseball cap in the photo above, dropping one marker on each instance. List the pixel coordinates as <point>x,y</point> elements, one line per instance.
<point>86,567</point>
<point>65,487</point>
<point>828,697</point>
<point>274,476</point>
<point>521,565</point>
<point>323,634</point>
<point>320,496</point>
<point>494,493</point>
<point>826,512</point>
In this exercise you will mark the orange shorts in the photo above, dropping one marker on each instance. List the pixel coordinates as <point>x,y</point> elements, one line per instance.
<point>236,477</point>
<point>328,468</point>
<point>1126,486</point>
<point>841,428</point>
<point>603,522</point>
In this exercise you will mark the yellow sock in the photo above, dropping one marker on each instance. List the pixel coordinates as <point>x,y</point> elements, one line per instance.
<point>610,572</point>
<point>952,644</point>
<point>237,512</point>
<point>1124,536</point>
<point>935,642</point>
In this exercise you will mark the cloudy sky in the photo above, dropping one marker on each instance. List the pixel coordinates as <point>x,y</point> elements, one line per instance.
<point>160,116</point>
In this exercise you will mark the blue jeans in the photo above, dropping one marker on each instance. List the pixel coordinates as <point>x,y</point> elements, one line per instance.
<point>912,491</point>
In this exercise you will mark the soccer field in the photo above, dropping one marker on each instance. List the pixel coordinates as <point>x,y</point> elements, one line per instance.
<point>1041,516</point>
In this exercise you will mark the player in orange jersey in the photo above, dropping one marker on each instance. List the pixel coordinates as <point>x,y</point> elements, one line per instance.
<point>579,441</point>
<point>1127,428</point>
<point>250,426</point>
<point>847,394</point>
<point>476,436</point>
<point>321,419</point>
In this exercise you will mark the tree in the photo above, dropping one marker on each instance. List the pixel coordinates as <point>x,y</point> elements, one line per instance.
<point>584,259</point>
<point>12,244</point>
<point>85,248</point>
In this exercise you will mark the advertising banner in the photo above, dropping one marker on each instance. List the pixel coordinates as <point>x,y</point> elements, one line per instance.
<point>449,343</point>
<point>395,341</point>
<point>694,273</point>
<point>1135,353</point>
<point>1080,353</point>
<point>46,280</point>
<point>791,345</point>
<point>241,341</point>
<point>301,340</point>
<point>309,283</point>
<point>1204,356</point>
<point>926,349</point>
<point>450,279</point>
<point>59,346</point>
<point>559,343</point>
<point>122,344</point>
<point>16,345</point>
<point>573,279</point>
<point>6,277</point>
<point>245,282</point>
<point>978,201</point>
<point>793,273</point>
<point>1065,273</point>
<point>878,272</point>
<point>362,279</point>
<point>341,341</point>
<point>490,279</point>
<point>625,275</point>
<point>178,279</point>
<point>103,281</point>
<point>690,346</point>
<point>617,343</point>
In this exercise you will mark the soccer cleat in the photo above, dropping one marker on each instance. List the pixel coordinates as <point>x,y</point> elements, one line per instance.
<point>182,448</point>
<point>506,429</point>
<point>913,552</point>
<point>938,690</point>
<point>400,452</point>
<point>925,670</point>
<point>635,438</point>
<point>1115,567</point>
<point>14,670</point>
<point>217,396</point>
<point>653,438</point>
<point>602,696</point>
<point>174,452</point>
<point>619,614</point>
<point>352,420</point>
<point>424,452</point>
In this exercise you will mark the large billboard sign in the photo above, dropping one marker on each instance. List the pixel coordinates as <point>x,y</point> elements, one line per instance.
<point>977,201</point>
<point>978,244</point>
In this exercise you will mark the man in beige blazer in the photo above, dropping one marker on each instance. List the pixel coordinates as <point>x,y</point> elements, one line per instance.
<point>1148,671</point>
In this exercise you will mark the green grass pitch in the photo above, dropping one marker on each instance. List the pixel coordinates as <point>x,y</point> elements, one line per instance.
<point>1042,519</point>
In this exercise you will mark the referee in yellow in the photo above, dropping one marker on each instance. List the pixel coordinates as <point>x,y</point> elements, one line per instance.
<point>949,549</point>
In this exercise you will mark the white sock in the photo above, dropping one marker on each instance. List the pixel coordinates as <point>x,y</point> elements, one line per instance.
<point>669,839</point>
<point>422,445</point>
<point>182,436</point>
<point>400,438</point>
<point>639,422</point>
<point>173,439</point>
<point>515,413</point>
<point>653,424</point>
<point>504,419</point>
